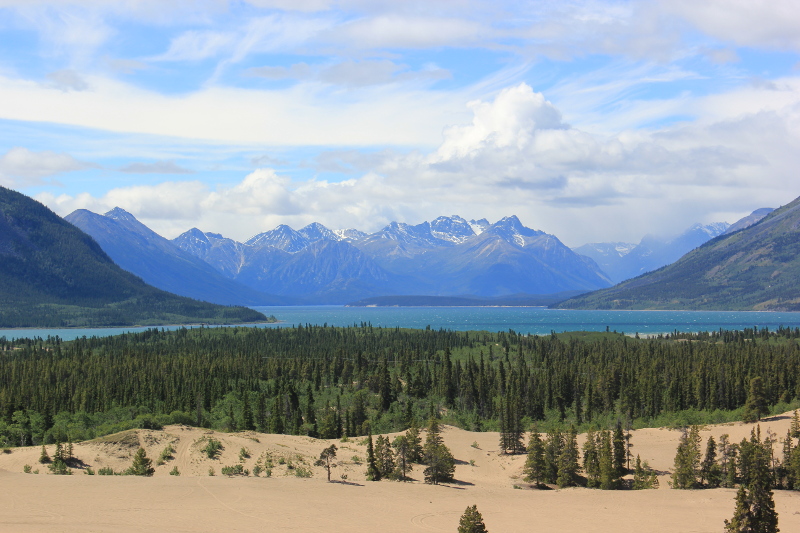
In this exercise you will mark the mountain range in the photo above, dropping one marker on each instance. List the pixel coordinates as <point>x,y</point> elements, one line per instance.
<point>54,275</point>
<point>754,267</point>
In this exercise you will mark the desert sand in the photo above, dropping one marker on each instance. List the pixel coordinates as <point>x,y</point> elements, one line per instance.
<point>195,501</point>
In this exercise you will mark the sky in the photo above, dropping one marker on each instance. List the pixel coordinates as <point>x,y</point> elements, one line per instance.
<point>595,121</point>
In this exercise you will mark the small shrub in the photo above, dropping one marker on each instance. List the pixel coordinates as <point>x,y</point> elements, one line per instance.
<point>356,459</point>
<point>345,439</point>
<point>27,469</point>
<point>44,458</point>
<point>105,471</point>
<point>213,448</point>
<point>257,470</point>
<point>166,455</point>
<point>174,471</point>
<point>235,470</point>
<point>89,471</point>
<point>244,453</point>
<point>472,462</point>
<point>302,471</point>
<point>281,460</point>
<point>211,471</point>
<point>475,445</point>
<point>267,472</point>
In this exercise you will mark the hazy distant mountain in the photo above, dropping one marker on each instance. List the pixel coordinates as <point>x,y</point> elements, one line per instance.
<point>52,274</point>
<point>449,256</point>
<point>621,261</point>
<point>159,262</point>
<point>750,219</point>
<point>756,268</point>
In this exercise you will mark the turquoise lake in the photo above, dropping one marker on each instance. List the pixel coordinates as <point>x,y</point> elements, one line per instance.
<point>526,320</point>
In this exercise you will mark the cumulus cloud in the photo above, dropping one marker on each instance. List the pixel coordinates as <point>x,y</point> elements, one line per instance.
<point>20,167</point>
<point>157,167</point>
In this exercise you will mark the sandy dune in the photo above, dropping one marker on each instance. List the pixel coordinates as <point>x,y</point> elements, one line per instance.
<point>196,501</point>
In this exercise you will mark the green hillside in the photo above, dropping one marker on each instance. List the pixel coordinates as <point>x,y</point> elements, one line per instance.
<point>755,269</point>
<point>54,275</point>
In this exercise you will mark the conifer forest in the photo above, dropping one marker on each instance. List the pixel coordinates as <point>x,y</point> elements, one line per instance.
<point>332,382</point>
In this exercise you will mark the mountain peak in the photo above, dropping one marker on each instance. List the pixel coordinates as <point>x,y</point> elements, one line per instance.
<point>120,214</point>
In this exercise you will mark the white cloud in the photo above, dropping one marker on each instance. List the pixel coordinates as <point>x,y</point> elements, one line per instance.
<point>353,73</point>
<point>67,80</point>
<point>398,31</point>
<point>20,167</point>
<point>196,46</point>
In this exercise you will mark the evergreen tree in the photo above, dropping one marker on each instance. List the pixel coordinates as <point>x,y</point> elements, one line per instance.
<point>373,473</point>
<point>384,457</point>
<point>620,451</point>
<point>276,417</point>
<point>644,477</point>
<point>403,451</point>
<point>414,444</point>
<point>687,460</point>
<point>142,465</point>
<point>755,508</point>
<point>552,451</point>
<point>471,521</point>
<point>608,475</point>
<point>43,457</point>
<point>710,472</point>
<point>440,462</point>
<point>756,405</point>
<point>727,462</point>
<point>534,469</point>
<point>591,459</point>
<point>568,465</point>
<point>247,414</point>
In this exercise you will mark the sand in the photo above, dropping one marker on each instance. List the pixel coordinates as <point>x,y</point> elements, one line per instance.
<point>195,501</point>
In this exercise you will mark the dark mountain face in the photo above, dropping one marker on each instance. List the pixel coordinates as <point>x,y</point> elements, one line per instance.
<point>159,262</point>
<point>756,268</point>
<point>53,275</point>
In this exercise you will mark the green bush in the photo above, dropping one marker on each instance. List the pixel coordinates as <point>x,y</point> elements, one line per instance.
<point>213,448</point>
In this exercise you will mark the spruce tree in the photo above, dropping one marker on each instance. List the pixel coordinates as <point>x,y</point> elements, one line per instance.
<point>568,465</point>
<point>142,465</point>
<point>755,507</point>
<point>710,474</point>
<point>384,457</point>
<point>403,451</point>
<point>608,475</point>
<point>756,405</point>
<point>591,459</point>
<point>373,474</point>
<point>620,451</point>
<point>43,457</point>
<point>471,521</point>
<point>687,460</point>
<point>534,469</point>
<point>414,444</point>
<point>552,451</point>
<point>440,462</point>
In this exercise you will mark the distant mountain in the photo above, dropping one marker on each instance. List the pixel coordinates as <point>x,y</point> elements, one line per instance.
<point>449,256</point>
<point>621,261</point>
<point>161,263</point>
<point>756,268</point>
<point>54,275</point>
<point>750,219</point>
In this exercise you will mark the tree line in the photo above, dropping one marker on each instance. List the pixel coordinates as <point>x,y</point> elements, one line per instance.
<point>332,382</point>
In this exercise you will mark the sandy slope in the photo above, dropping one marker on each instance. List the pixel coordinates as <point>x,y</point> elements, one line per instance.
<point>197,502</point>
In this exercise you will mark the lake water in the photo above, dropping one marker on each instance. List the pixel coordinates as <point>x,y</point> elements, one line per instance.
<point>526,320</point>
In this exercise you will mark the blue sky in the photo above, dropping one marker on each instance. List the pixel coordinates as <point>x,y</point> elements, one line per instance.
<point>591,120</point>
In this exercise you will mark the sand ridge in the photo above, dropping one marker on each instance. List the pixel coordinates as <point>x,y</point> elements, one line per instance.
<point>195,501</point>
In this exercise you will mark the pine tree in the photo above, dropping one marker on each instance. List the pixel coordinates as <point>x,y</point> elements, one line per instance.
<point>247,414</point>
<point>534,469</point>
<point>142,465</point>
<point>620,451</point>
<point>644,477</point>
<point>471,521</point>
<point>384,457</point>
<point>552,451</point>
<point>276,417</point>
<point>727,461</point>
<point>608,476</point>
<point>591,459</point>
<point>326,458</point>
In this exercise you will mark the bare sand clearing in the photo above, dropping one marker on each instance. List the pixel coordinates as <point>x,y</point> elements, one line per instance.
<point>197,502</point>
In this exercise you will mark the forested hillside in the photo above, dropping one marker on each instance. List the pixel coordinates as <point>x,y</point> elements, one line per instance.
<point>754,269</point>
<point>331,382</point>
<point>54,275</point>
